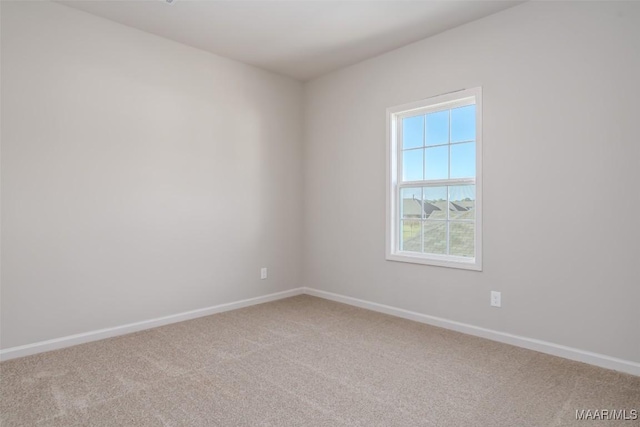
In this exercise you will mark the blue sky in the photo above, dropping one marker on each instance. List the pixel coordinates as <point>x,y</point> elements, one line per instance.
<point>424,156</point>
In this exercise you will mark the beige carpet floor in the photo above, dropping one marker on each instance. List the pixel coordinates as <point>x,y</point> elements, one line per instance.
<point>305,361</point>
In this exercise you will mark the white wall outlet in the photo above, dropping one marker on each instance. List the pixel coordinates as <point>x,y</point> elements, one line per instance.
<point>496,299</point>
<point>263,273</point>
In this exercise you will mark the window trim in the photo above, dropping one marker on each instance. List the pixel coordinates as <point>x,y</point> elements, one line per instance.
<point>394,114</point>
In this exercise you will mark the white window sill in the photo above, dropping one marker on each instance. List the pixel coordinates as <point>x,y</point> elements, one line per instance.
<point>445,261</point>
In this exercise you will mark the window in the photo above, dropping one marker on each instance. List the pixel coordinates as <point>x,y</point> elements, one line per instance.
<point>435,181</point>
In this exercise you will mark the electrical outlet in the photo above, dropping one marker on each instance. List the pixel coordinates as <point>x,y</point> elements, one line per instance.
<point>263,273</point>
<point>496,299</point>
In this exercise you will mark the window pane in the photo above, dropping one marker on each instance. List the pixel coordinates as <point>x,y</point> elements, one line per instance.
<point>462,202</point>
<point>412,167</point>
<point>435,202</point>
<point>463,124</point>
<point>413,132</point>
<point>461,238</point>
<point>438,128</point>
<point>411,203</point>
<point>410,234</point>
<point>437,162</point>
<point>435,237</point>
<point>463,160</point>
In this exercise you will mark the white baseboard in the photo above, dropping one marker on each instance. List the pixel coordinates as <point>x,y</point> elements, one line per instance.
<point>584,356</point>
<point>68,341</point>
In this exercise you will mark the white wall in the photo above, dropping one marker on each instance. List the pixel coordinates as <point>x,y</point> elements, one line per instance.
<point>140,177</point>
<point>561,159</point>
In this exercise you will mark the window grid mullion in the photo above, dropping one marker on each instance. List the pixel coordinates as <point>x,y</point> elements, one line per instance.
<point>449,149</point>
<point>424,148</point>
<point>399,153</point>
<point>448,219</point>
<point>422,215</point>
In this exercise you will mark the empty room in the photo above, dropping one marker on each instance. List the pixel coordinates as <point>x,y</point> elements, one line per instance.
<point>320,213</point>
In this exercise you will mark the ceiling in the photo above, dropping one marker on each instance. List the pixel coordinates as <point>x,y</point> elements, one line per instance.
<point>302,39</point>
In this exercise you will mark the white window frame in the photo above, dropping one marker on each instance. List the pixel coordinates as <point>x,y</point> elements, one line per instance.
<point>394,178</point>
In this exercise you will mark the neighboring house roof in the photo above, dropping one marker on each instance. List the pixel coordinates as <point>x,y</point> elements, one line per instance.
<point>458,207</point>
<point>411,208</point>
